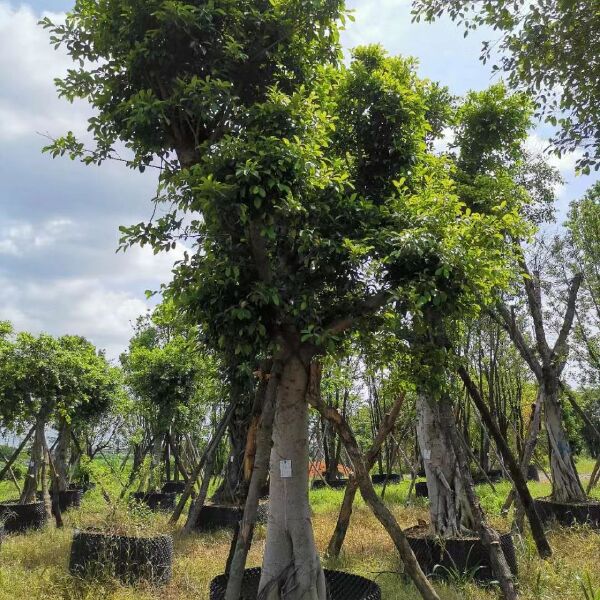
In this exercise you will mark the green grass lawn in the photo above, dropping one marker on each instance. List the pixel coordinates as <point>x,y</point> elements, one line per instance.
<point>34,566</point>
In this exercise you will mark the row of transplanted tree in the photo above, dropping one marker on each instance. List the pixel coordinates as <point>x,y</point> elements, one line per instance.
<point>318,218</point>
<point>60,384</point>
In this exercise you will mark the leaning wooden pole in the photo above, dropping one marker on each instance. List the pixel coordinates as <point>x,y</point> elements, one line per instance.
<point>380,510</point>
<point>11,461</point>
<point>212,445</point>
<point>341,527</point>
<point>537,529</point>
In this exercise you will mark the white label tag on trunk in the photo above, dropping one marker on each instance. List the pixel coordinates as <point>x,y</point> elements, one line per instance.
<point>427,454</point>
<point>285,468</point>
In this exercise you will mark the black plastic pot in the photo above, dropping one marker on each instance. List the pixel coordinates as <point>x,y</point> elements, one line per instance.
<point>223,516</point>
<point>156,500</point>
<point>341,586</point>
<point>85,486</point>
<point>421,489</point>
<point>390,478</point>
<point>336,484</point>
<point>66,499</point>
<point>21,517</point>
<point>443,558</point>
<point>568,514</point>
<point>129,559</point>
<point>494,475</point>
<point>173,487</point>
<point>533,473</point>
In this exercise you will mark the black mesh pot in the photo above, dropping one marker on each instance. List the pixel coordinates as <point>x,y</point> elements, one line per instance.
<point>340,586</point>
<point>533,473</point>
<point>130,559</point>
<point>156,500</point>
<point>421,490</point>
<point>442,558</point>
<point>495,476</point>
<point>66,499</point>
<point>389,478</point>
<point>336,484</point>
<point>84,486</point>
<point>222,516</point>
<point>568,514</point>
<point>21,517</point>
<point>173,487</point>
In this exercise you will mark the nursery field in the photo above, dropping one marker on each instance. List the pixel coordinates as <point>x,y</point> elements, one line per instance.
<point>34,565</point>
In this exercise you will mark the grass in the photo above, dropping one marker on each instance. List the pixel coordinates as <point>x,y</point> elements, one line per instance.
<point>34,566</point>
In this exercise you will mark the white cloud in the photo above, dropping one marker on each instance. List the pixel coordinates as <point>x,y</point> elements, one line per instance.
<point>565,163</point>
<point>78,306</point>
<point>21,238</point>
<point>28,66</point>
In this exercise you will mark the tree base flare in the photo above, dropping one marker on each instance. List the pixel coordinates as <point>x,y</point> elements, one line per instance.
<point>340,586</point>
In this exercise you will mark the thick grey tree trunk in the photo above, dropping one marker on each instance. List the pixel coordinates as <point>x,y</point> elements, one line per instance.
<point>291,564</point>
<point>61,456</point>
<point>566,486</point>
<point>449,507</point>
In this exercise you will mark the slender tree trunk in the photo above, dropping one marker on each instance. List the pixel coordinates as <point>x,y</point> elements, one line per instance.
<point>448,504</point>
<point>291,564</point>
<point>257,458</point>
<point>516,470</point>
<point>566,486</point>
<point>35,463</point>
<point>487,535</point>
<point>211,447</point>
<point>55,498</point>
<point>61,456</point>
<point>198,503</point>
<point>231,490</point>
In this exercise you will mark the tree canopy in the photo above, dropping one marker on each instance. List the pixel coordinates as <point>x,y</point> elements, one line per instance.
<point>551,48</point>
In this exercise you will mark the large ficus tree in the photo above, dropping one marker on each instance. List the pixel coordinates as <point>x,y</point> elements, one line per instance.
<point>299,184</point>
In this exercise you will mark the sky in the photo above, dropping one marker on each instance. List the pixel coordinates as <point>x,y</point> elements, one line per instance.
<point>59,220</point>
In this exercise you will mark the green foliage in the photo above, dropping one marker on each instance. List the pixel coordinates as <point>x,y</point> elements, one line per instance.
<point>551,49</point>
<point>56,378</point>
<point>172,379</point>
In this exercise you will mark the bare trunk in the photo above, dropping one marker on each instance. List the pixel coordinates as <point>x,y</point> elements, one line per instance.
<point>516,470</point>
<point>489,538</point>
<point>35,463</point>
<point>256,469</point>
<point>566,486</point>
<point>232,489</point>
<point>61,457</point>
<point>448,505</point>
<point>156,464</point>
<point>291,565</point>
